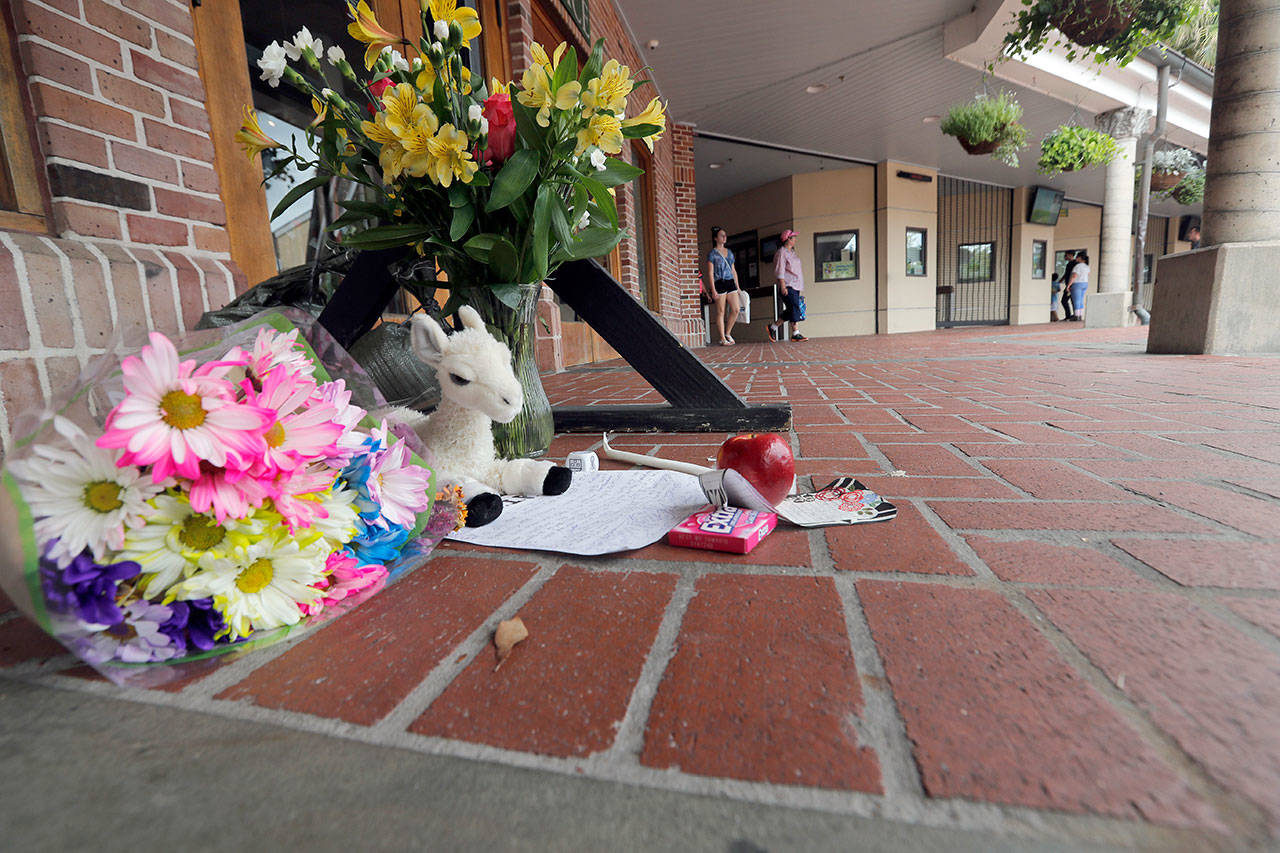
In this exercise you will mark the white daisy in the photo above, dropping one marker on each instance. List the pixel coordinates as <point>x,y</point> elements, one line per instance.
<point>175,537</point>
<point>260,586</point>
<point>80,496</point>
<point>339,525</point>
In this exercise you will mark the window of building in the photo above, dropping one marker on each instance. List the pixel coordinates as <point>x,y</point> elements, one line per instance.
<point>835,255</point>
<point>22,201</point>
<point>646,231</point>
<point>746,257</point>
<point>917,247</point>
<point>1039,251</point>
<point>975,261</point>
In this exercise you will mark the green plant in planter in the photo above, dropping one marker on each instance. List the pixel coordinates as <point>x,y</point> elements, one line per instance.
<point>1174,161</point>
<point>1106,30</point>
<point>1190,190</point>
<point>988,125</point>
<point>1071,147</point>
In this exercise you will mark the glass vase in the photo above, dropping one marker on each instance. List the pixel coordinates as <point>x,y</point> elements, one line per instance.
<point>529,434</point>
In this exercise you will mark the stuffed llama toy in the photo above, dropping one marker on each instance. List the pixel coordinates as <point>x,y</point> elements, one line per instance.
<point>477,387</point>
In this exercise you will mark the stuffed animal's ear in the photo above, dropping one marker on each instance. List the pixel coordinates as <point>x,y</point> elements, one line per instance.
<point>470,318</point>
<point>427,339</point>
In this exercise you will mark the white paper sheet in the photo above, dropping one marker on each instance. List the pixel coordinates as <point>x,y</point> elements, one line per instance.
<point>602,512</point>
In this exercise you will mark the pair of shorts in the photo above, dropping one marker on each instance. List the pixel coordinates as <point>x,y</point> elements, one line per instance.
<point>795,305</point>
<point>726,285</point>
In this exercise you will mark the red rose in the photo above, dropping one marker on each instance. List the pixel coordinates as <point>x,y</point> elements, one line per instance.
<point>502,128</point>
<point>376,88</point>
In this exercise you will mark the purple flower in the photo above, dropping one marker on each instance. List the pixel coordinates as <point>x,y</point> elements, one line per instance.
<point>86,588</point>
<point>136,638</point>
<point>203,622</point>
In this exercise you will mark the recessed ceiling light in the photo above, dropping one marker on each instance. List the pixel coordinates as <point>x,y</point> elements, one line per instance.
<point>815,88</point>
<point>931,119</point>
<point>652,44</point>
<point>714,165</point>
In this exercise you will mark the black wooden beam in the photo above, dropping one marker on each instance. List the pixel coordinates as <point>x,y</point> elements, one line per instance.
<point>766,418</point>
<point>362,296</point>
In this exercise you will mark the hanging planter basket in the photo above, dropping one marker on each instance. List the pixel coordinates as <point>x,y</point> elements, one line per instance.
<point>1092,22</point>
<point>979,148</point>
<point>1162,181</point>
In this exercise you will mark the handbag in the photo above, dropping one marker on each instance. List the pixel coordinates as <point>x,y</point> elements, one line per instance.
<point>744,307</point>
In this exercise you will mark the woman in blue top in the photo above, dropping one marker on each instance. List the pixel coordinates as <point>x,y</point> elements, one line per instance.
<point>725,287</point>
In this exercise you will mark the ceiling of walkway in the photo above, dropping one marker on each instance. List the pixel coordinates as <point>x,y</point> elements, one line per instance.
<point>741,70</point>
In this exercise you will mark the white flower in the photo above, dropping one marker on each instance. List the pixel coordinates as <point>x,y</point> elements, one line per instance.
<point>441,29</point>
<point>260,586</point>
<point>484,125</point>
<point>326,93</point>
<point>336,54</point>
<point>81,497</point>
<point>300,41</point>
<point>418,64</point>
<point>585,220</point>
<point>435,45</point>
<point>475,112</point>
<point>398,62</point>
<point>338,526</point>
<point>272,64</point>
<point>598,159</point>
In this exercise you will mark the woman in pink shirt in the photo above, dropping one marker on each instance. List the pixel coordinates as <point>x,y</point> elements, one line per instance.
<point>790,277</point>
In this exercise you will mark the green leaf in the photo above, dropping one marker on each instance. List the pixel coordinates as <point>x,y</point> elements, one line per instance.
<point>527,124</point>
<point>458,195</point>
<point>298,192</point>
<point>617,172</point>
<point>594,242</point>
<point>480,246</point>
<point>462,219</point>
<point>594,63</point>
<point>603,199</point>
<point>387,237</point>
<point>355,205</point>
<point>503,259</point>
<point>638,131</point>
<point>508,294</point>
<point>567,70</point>
<point>479,179</point>
<point>536,263</point>
<point>560,227</point>
<point>516,175</point>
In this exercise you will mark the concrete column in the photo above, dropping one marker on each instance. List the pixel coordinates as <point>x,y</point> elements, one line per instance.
<point>1221,297</point>
<point>1108,306</point>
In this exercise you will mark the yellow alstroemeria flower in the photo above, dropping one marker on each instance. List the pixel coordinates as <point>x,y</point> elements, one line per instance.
<point>251,137</point>
<point>653,114</point>
<point>321,109</point>
<point>537,93</point>
<point>608,92</point>
<point>604,131</point>
<point>391,155</point>
<point>403,110</point>
<point>495,87</point>
<point>418,153</point>
<point>426,82</point>
<point>450,148</point>
<point>449,11</point>
<point>365,28</point>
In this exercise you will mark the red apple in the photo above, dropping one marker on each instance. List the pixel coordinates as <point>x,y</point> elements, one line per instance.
<point>764,459</point>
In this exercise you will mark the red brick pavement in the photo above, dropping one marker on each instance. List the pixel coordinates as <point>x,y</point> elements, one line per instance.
<point>1077,609</point>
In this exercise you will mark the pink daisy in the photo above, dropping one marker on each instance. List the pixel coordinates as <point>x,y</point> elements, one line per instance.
<point>303,428</point>
<point>272,349</point>
<point>228,494</point>
<point>348,416</point>
<point>399,486</point>
<point>298,497</point>
<point>345,578</point>
<point>174,415</point>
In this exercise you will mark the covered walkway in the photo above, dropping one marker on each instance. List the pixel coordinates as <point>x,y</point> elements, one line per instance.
<point>1069,635</point>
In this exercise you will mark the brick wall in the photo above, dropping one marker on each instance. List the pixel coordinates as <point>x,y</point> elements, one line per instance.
<point>140,239</point>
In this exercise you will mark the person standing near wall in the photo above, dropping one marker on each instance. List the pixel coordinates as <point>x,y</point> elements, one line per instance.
<point>1070,258</point>
<point>725,286</point>
<point>1055,295</point>
<point>1078,285</point>
<point>790,278</point>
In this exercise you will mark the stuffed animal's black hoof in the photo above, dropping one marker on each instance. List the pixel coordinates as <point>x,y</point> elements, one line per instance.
<point>482,509</point>
<point>557,482</point>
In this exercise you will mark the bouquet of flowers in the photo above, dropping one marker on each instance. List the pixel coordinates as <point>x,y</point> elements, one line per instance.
<point>223,500</point>
<point>501,184</point>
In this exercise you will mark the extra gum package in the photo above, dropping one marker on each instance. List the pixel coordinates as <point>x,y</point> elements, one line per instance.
<point>724,529</point>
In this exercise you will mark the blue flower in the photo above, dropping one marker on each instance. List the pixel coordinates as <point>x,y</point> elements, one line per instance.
<point>379,545</point>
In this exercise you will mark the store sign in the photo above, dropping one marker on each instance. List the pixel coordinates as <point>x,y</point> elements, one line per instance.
<point>580,11</point>
<point>839,269</point>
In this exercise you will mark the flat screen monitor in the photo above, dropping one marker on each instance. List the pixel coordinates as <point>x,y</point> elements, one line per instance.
<point>1046,204</point>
